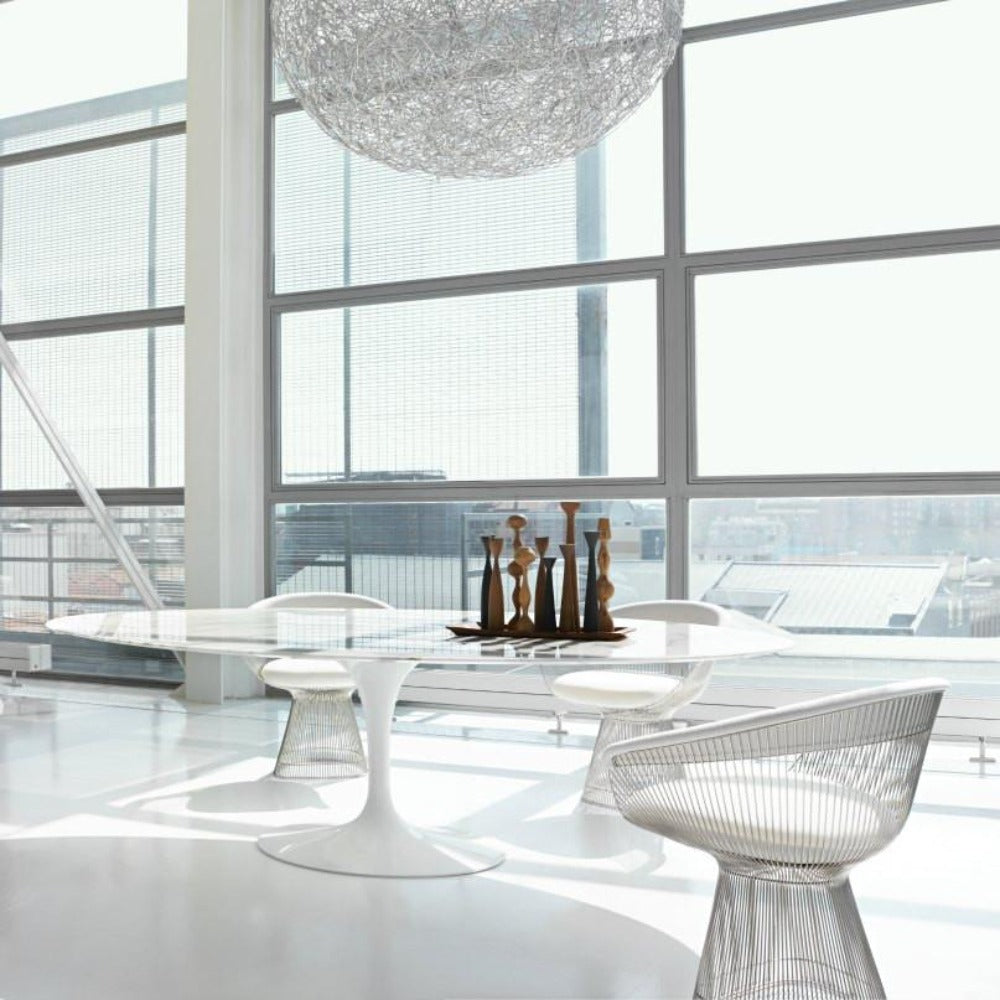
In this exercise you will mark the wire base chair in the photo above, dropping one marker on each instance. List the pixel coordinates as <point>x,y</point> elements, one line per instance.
<point>652,693</point>
<point>787,801</point>
<point>786,941</point>
<point>321,738</point>
<point>613,729</point>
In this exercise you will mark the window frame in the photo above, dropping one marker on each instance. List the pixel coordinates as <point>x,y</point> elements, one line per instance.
<point>676,270</point>
<point>150,318</point>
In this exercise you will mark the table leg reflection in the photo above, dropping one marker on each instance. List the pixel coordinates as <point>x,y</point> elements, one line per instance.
<point>379,841</point>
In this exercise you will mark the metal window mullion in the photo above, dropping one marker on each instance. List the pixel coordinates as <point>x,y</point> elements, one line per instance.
<point>137,319</point>
<point>2,423</point>
<point>151,264</point>
<point>270,466</point>
<point>674,418</point>
<point>796,16</point>
<point>455,286</point>
<point>143,99</point>
<point>139,497</point>
<point>78,146</point>
<point>942,241</point>
<point>964,484</point>
<point>364,492</point>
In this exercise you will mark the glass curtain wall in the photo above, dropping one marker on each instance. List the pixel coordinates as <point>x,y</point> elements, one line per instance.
<point>755,326</point>
<point>91,301</point>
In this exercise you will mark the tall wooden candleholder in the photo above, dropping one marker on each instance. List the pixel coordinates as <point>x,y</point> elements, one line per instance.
<point>542,545</point>
<point>484,590</point>
<point>545,620</point>
<point>494,619</point>
<point>569,614</point>
<point>590,604</point>
<point>605,588</point>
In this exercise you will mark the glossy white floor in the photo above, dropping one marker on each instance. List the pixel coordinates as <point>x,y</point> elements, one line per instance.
<point>128,868</point>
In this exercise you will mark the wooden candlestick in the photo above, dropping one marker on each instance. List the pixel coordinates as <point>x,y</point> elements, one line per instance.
<point>523,558</point>
<point>494,618</point>
<point>516,571</point>
<point>569,614</point>
<point>590,615</point>
<point>545,604</point>
<point>484,590</point>
<point>517,523</point>
<point>605,588</point>
<point>542,545</point>
<point>570,507</point>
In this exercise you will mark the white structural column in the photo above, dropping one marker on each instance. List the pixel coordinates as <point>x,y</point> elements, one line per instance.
<point>224,512</point>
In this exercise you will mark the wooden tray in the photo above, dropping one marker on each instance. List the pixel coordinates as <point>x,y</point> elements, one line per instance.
<point>613,636</point>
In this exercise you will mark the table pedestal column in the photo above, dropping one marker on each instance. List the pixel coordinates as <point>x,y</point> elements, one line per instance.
<point>379,841</point>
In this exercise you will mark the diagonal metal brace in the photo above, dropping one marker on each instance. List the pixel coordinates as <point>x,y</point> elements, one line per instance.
<point>81,482</point>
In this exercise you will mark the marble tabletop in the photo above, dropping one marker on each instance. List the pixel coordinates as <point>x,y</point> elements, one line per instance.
<point>370,634</point>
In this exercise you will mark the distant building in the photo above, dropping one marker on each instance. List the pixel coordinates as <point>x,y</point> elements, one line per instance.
<point>832,597</point>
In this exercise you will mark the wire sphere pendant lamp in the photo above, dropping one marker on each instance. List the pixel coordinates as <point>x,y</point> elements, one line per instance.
<point>473,88</point>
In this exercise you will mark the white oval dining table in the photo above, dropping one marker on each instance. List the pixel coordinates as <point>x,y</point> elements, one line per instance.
<point>379,648</point>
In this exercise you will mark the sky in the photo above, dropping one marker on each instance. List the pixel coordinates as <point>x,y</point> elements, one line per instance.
<point>59,69</point>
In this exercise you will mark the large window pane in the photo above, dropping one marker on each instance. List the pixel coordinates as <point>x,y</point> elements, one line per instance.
<point>885,366</point>
<point>429,555</point>
<point>858,126</point>
<point>870,587</point>
<point>96,232</point>
<point>550,384</point>
<point>116,397</point>
<point>54,561</point>
<point>344,220</point>
<point>71,69</point>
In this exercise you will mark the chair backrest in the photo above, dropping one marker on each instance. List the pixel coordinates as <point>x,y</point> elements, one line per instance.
<point>695,613</point>
<point>868,743</point>
<point>320,599</point>
<point>691,612</point>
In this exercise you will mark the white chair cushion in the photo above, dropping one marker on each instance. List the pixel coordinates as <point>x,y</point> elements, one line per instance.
<point>292,674</point>
<point>790,818</point>
<point>614,689</point>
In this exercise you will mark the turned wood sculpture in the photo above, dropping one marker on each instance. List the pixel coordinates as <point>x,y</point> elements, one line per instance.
<point>494,618</point>
<point>516,570</point>
<point>547,618</point>
<point>569,615</point>
<point>517,523</point>
<point>605,588</point>
<point>521,621</point>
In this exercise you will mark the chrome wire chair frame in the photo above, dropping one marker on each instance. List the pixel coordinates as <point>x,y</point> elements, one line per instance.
<point>321,739</point>
<point>671,686</point>
<point>682,683</point>
<point>788,801</point>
